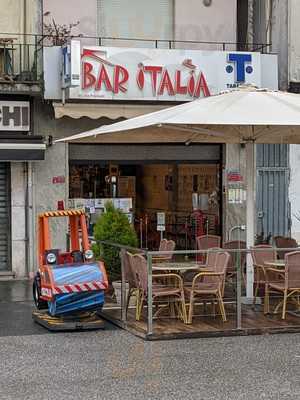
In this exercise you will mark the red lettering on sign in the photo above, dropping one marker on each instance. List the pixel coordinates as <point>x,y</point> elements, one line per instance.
<point>154,71</point>
<point>191,85</point>
<point>115,78</point>
<point>140,78</point>
<point>178,88</point>
<point>103,77</point>
<point>121,76</point>
<point>166,83</point>
<point>88,78</point>
<point>201,87</point>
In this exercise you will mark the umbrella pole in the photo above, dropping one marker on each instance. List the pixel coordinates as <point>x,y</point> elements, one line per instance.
<point>250,212</point>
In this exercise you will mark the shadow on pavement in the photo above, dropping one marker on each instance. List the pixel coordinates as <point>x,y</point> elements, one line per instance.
<point>16,308</point>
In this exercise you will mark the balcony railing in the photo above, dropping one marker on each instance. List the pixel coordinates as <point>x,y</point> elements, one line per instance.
<point>20,58</point>
<point>21,55</point>
<point>161,43</point>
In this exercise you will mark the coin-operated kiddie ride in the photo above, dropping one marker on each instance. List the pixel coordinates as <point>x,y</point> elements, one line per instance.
<point>70,284</point>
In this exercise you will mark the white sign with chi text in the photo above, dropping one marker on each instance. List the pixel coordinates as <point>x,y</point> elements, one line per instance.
<point>14,116</point>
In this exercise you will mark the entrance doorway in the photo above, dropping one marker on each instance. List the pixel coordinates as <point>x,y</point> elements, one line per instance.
<point>187,193</point>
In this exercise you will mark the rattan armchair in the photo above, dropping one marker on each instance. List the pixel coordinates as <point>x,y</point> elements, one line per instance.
<point>232,270</point>
<point>260,254</point>
<point>205,242</point>
<point>208,266</point>
<point>210,283</point>
<point>165,245</point>
<point>171,289</point>
<point>130,277</point>
<point>282,242</point>
<point>289,286</point>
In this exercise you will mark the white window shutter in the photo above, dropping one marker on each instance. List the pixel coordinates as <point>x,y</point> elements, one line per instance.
<point>140,19</point>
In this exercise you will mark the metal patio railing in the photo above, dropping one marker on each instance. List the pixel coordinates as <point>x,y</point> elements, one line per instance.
<point>161,318</point>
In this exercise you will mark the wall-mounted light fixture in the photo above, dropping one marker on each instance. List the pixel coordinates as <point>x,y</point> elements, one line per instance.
<point>207,3</point>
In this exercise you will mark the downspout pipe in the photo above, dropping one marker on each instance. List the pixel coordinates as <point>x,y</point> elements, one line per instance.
<point>31,235</point>
<point>27,259</point>
<point>29,220</point>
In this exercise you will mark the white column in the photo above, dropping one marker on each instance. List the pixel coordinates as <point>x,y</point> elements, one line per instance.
<point>31,222</point>
<point>250,212</point>
<point>18,219</point>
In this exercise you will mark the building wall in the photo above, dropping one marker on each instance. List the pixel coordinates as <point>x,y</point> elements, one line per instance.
<point>294,190</point>
<point>84,12</point>
<point>294,43</point>
<point>19,16</point>
<point>46,193</point>
<point>234,212</point>
<point>192,20</point>
<point>271,25</point>
<point>216,23</point>
<point>280,38</point>
<point>16,18</point>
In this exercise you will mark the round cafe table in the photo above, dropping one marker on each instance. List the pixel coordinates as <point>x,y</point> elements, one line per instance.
<point>275,263</point>
<point>178,266</point>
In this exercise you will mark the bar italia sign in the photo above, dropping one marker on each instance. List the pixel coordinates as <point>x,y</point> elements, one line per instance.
<point>112,73</point>
<point>114,78</point>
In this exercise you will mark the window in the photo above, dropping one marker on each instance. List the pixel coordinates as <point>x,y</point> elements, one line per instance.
<point>141,19</point>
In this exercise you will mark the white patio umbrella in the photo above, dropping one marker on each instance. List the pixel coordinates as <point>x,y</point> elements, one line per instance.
<point>248,115</point>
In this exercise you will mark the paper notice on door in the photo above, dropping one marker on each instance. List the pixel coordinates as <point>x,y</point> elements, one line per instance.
<point>236,196</point>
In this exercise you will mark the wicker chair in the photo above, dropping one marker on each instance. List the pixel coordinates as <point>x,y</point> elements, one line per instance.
<point>209,265</point>
<point>165,245</point>
<point>288,286</point>
<point>260,254</point>
<point>172,289</point>
<point>130,277</point>
<point>282,242</point>
<point>210,283</point>
<point>234,245</point>
<point>206,242</point>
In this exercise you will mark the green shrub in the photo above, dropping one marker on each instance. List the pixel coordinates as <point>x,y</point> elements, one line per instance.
<point>113,226</point>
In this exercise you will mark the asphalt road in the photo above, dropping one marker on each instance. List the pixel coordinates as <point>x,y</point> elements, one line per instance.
<point>113,364</point>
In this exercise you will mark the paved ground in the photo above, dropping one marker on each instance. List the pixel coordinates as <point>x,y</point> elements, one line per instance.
<point>113,364</point>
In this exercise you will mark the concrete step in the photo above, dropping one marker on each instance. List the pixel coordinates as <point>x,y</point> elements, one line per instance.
<point>7,275</point>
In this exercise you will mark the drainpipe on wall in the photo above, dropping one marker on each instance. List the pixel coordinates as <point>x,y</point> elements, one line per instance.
<point>24,38</point>
<point>290,45</point>
<point>269,15</point>
<point>27,261</point>
<point>250,30</point>
<point>30,220</point>
<point>24,16</point>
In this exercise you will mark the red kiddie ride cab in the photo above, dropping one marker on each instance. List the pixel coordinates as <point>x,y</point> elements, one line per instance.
<point>68,281</point>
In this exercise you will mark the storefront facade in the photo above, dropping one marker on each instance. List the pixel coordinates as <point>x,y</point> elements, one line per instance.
<point>172,174</point>
<point>19,149</point>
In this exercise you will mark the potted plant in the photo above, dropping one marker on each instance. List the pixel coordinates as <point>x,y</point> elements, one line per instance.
<point>113,226</point>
